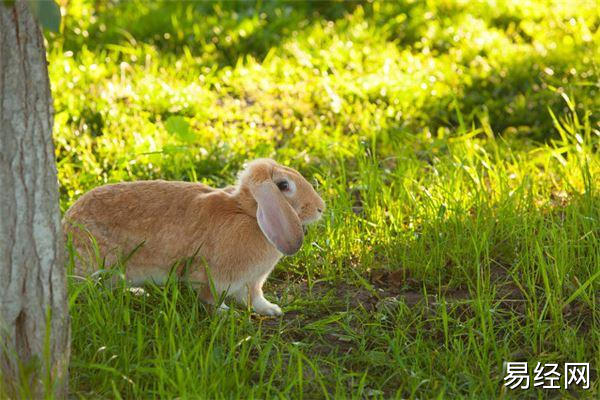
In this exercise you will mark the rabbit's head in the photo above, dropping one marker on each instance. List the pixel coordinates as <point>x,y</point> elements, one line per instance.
<point>285,202</point>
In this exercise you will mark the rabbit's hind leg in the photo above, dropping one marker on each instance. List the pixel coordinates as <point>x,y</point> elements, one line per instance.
<point>242,296</point>
<point>201,286</point>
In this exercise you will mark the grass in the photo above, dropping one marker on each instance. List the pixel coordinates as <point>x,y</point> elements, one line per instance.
<point>455,143</point>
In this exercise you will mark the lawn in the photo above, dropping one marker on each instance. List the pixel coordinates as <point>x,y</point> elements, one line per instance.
<point>455,142</point>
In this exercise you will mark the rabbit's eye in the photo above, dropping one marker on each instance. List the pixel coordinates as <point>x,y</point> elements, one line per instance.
<point>283,186</point>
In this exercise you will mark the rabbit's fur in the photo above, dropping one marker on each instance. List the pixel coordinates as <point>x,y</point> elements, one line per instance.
<point>234,236</point>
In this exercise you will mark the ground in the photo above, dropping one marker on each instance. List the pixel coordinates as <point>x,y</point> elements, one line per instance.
<point>454,142</point>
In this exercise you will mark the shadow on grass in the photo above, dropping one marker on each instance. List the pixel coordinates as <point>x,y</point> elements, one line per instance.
<point>513,96</point>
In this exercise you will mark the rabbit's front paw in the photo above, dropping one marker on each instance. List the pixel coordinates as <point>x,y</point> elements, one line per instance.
<point>265,307</point>
<point>223,308</point>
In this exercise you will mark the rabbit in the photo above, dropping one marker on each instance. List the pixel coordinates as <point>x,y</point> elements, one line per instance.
<point>234,236</point>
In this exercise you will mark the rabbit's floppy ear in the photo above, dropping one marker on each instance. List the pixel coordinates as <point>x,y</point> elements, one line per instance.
<point>277,219</point>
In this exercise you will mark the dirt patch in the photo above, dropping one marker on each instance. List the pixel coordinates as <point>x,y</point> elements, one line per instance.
<point>346,296</point>
<point>386,289</point>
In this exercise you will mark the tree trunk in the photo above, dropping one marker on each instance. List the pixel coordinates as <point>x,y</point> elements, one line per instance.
<point>34,320</point>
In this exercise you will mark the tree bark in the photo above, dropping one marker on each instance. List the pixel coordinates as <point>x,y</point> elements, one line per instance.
<point>34,321</point>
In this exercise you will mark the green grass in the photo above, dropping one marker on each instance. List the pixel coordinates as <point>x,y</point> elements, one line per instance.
<point>455,143</point>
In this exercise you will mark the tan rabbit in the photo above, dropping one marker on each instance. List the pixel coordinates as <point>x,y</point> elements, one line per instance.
<point>236,234</point>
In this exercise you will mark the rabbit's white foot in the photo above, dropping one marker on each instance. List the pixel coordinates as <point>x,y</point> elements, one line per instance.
<point>222,308</point>
<point>265,307</point>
